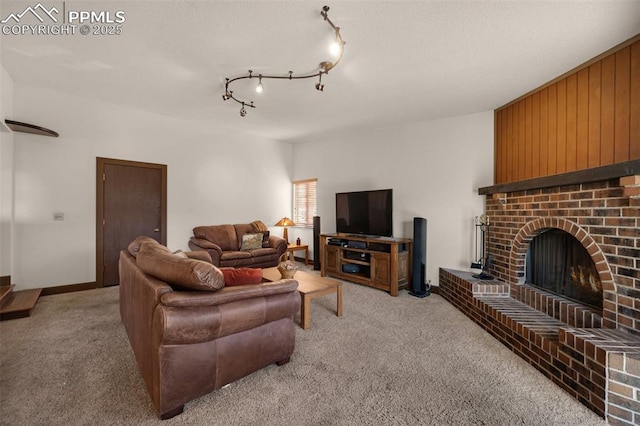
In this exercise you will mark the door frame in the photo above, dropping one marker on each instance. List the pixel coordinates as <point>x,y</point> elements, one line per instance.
<point>100,176</point>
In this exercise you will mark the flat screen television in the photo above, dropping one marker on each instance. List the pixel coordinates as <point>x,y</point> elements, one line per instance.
<point>365,212</point>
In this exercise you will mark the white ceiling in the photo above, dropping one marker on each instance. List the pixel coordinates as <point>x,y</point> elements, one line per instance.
<point>404,61</point>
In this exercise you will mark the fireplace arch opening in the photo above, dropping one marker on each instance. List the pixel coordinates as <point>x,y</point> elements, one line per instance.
<point>558,263</point>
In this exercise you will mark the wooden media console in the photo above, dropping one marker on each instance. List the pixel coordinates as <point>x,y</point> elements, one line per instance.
<point>379,262</point>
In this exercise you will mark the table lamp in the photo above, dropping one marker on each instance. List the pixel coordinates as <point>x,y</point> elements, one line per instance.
<point>285,221</point>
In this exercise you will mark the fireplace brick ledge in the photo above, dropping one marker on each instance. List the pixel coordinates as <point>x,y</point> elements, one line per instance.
<point>599,367</point>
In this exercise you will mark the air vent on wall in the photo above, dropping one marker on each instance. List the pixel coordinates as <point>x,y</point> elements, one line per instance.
<point>18,126</point>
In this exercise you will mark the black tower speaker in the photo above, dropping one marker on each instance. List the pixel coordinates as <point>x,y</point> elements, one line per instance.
<point>316,243</point>
<point>419,287</point>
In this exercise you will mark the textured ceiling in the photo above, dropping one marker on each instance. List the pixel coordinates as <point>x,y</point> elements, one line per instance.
<point>404,61</point>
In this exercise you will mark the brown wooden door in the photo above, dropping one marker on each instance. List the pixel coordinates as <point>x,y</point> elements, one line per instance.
<point>131,202</point>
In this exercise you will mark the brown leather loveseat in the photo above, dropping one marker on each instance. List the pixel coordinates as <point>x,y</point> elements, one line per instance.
<point>190,333</point>
<point>241,245</point>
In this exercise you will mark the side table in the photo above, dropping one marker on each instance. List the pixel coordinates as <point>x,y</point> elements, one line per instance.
<point>294,247</point>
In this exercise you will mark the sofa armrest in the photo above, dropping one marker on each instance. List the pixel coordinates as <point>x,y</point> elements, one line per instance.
<point>204,244</point>
<point>199,255</point>
<point>227,294</point>
<point>214,250</point>
<point>278,243</point>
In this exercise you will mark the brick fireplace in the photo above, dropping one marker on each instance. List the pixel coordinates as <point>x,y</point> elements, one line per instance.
<point>604,216</point>
<point>564,235</point>
<point>592,353</point>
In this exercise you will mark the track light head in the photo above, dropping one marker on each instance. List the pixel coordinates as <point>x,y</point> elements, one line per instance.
<point>325,12</point>
<point>259,87</point>
<point>243,111</point>
<point>319,85</point>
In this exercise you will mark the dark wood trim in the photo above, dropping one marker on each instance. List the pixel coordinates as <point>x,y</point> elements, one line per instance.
<point>100,164</point>
<point>576,69</point>
<point>5,280</point>
<point>20,304</point>
<point>613,171</point>
<point>69,288</point>
<point>301,260</point>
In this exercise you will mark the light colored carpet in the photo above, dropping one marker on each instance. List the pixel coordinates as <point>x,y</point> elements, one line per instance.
<point>391,361</point>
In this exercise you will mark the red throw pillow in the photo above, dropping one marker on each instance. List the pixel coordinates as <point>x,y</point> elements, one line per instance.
<point>241,276</point>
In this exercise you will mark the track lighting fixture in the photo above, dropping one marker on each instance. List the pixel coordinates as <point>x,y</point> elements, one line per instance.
<point>336,49</point>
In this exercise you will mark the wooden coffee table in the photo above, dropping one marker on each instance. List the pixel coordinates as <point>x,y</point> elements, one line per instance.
<point>310,286</point>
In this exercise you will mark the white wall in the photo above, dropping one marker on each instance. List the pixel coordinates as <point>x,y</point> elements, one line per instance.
<point>434,168</point>
<point>213,177</point>
<point>6,173</point>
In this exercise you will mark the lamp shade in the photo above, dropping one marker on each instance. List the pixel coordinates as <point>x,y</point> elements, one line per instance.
<point>285,221</point>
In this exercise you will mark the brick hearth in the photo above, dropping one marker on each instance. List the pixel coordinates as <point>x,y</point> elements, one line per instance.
<point>597,366</point>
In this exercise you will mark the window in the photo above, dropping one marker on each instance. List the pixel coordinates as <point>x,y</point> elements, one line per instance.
<point>304,202</point>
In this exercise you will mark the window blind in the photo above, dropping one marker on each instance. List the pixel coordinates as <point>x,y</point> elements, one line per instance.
<point>304,202</point>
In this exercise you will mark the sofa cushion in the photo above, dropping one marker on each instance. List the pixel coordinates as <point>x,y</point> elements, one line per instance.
<point>157,260</point>
<point>222,235</point>
<point>251,241</point>
<point>241,276</point>
<point>263,252</point>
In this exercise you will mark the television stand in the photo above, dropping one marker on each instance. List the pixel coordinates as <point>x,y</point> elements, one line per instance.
<point>380,262</point>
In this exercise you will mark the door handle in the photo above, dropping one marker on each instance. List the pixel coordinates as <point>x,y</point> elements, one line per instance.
<point>156,230</point>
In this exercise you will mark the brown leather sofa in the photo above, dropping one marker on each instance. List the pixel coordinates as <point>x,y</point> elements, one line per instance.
<point>227,245</point>
<point>189,333</point>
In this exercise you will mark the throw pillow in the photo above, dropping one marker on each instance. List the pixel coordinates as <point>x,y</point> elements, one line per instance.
<point>265,239</point>
<point>155,259</point>
<point>251,241</point>
<point>259,226</point>
<point>241,276</point>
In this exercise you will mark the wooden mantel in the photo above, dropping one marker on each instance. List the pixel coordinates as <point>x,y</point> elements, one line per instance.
<point>612,171</point>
